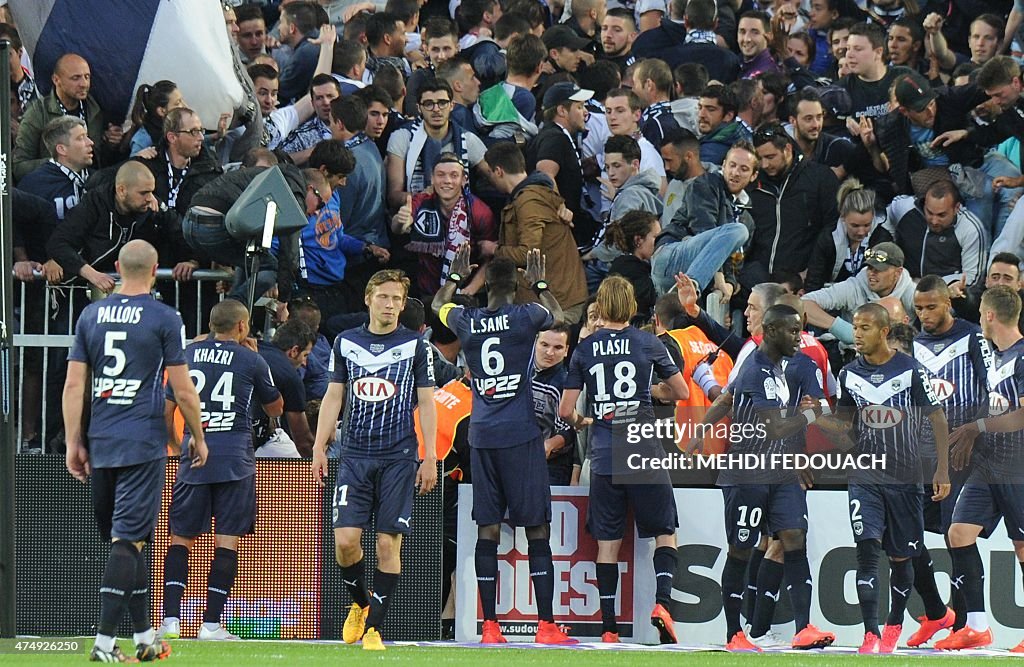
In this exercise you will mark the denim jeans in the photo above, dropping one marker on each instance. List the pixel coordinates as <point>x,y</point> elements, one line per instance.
<point>214,241</point>
<point>994,208</point>
<point>698,256</point>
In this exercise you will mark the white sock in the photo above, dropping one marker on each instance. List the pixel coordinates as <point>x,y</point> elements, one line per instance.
<point>104,643</point>
<point>212,627</point>
<point>977,621</point>
<point>147,637</point>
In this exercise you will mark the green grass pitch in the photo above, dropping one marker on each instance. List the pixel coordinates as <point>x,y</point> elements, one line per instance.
<point>306,654</point>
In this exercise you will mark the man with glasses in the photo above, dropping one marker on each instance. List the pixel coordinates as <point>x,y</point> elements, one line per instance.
<point>883,276</point>
<point>185,164</point>
<point>413,151</point>
<point>792,201</point>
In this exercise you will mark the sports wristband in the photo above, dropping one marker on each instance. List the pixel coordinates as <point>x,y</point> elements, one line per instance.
<point>809,416</point>
<point>826,409</point>
<point>981,426</point>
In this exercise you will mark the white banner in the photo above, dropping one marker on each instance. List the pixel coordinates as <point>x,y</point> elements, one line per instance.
<point>697,594</point>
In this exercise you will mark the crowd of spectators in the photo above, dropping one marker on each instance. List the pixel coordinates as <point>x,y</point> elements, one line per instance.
<point>840,150</point>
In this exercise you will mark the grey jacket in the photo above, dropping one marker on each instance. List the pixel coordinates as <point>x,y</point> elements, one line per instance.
<point>639,193</point>
<point>854,292</point>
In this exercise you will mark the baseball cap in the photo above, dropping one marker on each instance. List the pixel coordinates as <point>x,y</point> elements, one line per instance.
<point>563,92</point>
<point>884,255</point>
<point>644,6</point>
<point>837,101</point>
<point>913,92</point>
<point>563,37</point>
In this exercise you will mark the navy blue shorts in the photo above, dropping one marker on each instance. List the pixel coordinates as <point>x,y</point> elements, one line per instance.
<point>381,488</point>
<point>654,508</point>
<point>513,480</point>
<point>753,509</point>
<point>232,503</point>
<point>127,500</point>
<point>891,513</point>
<point>983,504</point>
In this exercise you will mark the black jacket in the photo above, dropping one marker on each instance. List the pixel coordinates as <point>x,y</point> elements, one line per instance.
<point>827,262</point>
<point>34,222</point>
<point>789,213</point>
<point>953,106</point>
<point>655,42</point>
<point>222,192</point>
<point>722,64</point>
<point>93,233</point>
<point>202,170</point>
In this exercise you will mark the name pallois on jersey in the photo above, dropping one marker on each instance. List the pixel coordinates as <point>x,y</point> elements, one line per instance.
<point>373,389</point>
<point>880,416</point>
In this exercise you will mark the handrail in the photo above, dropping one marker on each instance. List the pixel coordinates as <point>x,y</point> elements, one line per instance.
<point>168,274</point>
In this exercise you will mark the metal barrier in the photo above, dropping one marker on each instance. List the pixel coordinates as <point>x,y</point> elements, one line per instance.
<point>46,322</point>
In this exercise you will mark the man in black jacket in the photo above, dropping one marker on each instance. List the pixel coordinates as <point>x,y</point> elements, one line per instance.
<point>183,164</point>
<point>87,242</point>
<point>206,233</point>
<point>791,201</point>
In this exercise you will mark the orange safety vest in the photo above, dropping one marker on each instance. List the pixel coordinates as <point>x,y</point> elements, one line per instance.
<point>453,403</point>
<point>695,346</point>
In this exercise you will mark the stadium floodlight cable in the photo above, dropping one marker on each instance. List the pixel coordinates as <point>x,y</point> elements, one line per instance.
<point>7,414</point>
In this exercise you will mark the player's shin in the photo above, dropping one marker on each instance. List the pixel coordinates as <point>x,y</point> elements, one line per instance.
<point>175,579</point>
<point>384,584</point>
<point>766,596</point>
<point>798,581</point>
<point>969,573</point>
<point>901,579</point>
<point>924,584</point>
<point>138,603</point>
<point>118,583</point>
<point>867,583</point>
<point>354,577</point>
<point>218,585</point>
<point>753,572</point>
<point>732,592</point>
<point>607,587</point>
<point>542,574</point>
<point>486,562</point>
<point>665,560</point>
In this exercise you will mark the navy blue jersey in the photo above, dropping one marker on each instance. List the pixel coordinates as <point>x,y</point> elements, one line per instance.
<point>762,385</point>
<point>227,376</point>
<point>63,189</point>
<point>127,341</point>
<point>381,373</point>
<point>891,402</point>
<point>1003,453</point>
<point>498,346</point>
<point>956,360</point>
<point>616,368</point>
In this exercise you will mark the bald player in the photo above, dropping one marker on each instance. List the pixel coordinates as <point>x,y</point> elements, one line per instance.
<point>125,342</point>
<point>72,80</point>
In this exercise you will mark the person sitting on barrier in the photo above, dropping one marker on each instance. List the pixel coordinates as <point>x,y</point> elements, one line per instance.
<point>205,231</point>
<point>87,242</point>
<point>285,354</point>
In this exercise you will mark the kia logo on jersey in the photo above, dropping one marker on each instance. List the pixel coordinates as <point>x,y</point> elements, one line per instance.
<point>942,388</point>
<point>373,389</point>
<point>997,403</point>
<point>880,416</point>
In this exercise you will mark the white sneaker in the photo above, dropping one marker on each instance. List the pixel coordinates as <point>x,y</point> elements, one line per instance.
<point>169,629</point>
<point>770,639</point>
<point>218,635</point>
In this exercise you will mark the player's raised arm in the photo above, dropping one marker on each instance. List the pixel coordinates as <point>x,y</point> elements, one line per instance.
<point>73,401</point>
<point>326,424</point>
<point>535,272</point>
<point>187,398</point>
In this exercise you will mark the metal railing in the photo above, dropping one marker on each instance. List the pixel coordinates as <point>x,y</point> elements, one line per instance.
<point>56,315</point>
